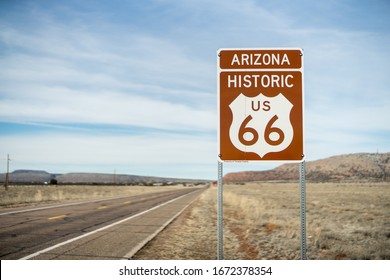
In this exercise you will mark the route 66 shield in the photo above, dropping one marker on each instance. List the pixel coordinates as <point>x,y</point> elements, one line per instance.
<point>261,124</point>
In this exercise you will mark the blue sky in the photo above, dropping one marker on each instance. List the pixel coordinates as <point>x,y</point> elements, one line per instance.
<point>131,86</point>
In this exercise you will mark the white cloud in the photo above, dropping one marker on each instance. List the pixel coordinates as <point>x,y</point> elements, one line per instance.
<point>150,85</point>
<point>59,105</point>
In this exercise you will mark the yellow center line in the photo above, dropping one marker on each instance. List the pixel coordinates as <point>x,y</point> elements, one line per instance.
<point>102,207</point>
<point>127,202</point>
<point>57,217</point>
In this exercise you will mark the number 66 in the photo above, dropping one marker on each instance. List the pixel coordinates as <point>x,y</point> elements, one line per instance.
<point>269,129</point>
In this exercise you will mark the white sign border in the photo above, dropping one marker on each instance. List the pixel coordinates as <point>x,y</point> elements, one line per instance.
<point>219,70</point>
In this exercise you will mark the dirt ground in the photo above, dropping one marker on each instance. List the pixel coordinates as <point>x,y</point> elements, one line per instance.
<point>262,221</point>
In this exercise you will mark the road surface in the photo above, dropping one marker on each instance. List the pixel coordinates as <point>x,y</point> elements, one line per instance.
<point>103,229</point>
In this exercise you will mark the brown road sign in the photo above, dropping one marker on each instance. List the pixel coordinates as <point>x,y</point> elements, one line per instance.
<point>260,99</point>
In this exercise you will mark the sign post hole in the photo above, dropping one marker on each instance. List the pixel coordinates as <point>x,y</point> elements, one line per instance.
<point>260,108</point>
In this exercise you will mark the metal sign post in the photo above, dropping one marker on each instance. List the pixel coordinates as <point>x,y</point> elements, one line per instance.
<point>302,179</point>
<point>220,211</point>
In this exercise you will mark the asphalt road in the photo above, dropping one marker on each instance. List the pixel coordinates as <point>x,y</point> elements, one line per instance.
<point>104,229</point>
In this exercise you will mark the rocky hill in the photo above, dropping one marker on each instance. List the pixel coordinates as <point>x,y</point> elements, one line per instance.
<point>28,176</point>
<point>362,166</point>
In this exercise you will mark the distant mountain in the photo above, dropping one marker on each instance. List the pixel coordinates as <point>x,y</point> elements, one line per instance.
<point>28,177</point>
<point>26,171</point>
<point>361,166</point>
<point>42,177</point>
<point>101,178</point>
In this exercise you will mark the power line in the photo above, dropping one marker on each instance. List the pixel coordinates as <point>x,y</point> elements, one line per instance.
<point>7,174</point>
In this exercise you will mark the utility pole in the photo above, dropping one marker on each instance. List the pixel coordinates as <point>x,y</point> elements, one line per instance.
<point>7,174</point>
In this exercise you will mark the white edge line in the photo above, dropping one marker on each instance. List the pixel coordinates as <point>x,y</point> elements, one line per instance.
<point>100,229</point>
<point>153,235</point>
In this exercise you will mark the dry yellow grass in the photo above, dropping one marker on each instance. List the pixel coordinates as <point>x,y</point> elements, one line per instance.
<point>261,221</point>
<point>37,194</point>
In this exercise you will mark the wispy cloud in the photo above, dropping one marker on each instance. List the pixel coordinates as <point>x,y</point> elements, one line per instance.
<point>58,105</point>
<point>148,83</point>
